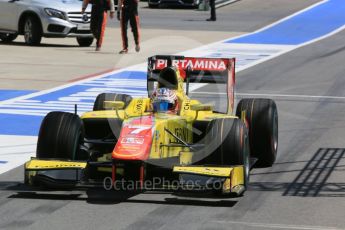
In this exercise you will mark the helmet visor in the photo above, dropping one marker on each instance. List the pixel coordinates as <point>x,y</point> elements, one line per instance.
<point>161,106</point>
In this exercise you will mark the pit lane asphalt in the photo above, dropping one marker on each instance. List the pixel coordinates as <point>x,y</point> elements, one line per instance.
<point>164,31</point>
<point>304,190</point>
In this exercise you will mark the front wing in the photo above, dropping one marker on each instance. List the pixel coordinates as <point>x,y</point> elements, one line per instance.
<point>66,174</point>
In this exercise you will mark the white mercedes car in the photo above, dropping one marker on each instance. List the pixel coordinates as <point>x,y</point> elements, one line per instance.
<point>44,18</point>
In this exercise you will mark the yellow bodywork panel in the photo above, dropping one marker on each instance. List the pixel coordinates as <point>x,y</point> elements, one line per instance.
<point>137,107</point>
<point>164,145</point>
<point>113,105</point>
<point>202,107</point>
<point>186,158</point>
<point>237,176</point>
<point>35,164</point>
<point>234,175</point>
<point>203,170</point>
<point>104,114</point>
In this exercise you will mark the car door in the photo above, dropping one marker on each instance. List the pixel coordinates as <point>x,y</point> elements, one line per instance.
<point>9,15</point>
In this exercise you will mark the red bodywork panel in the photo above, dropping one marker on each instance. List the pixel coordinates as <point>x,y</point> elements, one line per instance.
<point>135,139</point>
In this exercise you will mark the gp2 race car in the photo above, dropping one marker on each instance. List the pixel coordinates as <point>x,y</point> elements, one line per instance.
<point>125,139</point>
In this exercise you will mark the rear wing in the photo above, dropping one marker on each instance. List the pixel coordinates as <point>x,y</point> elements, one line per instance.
<point>196,69</point>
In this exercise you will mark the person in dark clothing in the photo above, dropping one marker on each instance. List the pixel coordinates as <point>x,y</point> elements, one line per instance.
<point>128,11</point>
<point>99,18</point>
<point>213,11</point>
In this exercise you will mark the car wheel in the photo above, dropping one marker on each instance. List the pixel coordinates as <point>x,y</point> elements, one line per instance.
<point>262,118</point>
<point>60,136</point>
<point>84,42</point>
<point>99,102</point>
<point>8,37</point>
<point>229,142</point>
<point>32,31</point>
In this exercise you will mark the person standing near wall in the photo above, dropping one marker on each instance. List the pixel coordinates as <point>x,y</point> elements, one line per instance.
<point>99,18</point>
<point>213,11</point>
<point>128,11</point>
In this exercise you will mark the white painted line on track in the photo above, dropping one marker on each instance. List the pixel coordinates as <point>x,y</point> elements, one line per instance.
<point>15,150</point>
<point>285,48</point>
<point>290,16</point>
<point>269,25</point>
<point>39,93</point>
<point>291,96</point>
<point>278,226</point>
<point>301,96</point>
<point>226,3</point>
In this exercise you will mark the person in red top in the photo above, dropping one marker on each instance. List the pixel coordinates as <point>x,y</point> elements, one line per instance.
<point>128,12</point>
<point>99,17</point>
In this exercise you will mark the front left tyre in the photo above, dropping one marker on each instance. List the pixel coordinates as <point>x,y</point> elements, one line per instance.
<point>32,31</point>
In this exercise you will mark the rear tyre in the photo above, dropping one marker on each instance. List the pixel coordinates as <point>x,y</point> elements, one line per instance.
<point>84,42</point>
<point>32,31</point>
<point>262,118</point>
<point>229,143</point>
<point>60,136</point>
<point>99,103</point>
<point>8,37</point>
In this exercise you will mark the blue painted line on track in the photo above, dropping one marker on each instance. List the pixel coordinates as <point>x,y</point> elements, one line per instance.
<point>309,25</point>
<point>84,87</point>
<point>19,124</point>
<point>3,162</point>
<point>8,94</point>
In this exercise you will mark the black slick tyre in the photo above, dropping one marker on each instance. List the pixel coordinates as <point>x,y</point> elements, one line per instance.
<point>60,136</point>
<point>99,102</point>
<point>228,144</point>
<point>262,118</point>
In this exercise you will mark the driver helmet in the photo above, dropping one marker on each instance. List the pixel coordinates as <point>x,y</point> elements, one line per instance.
<point>164,100</point>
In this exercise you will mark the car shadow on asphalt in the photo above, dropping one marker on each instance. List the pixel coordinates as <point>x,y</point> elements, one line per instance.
<point>313,180</point>
<point>43,45</point>
<point>104,197</point>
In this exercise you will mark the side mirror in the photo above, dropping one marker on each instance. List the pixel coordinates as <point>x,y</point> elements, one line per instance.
<point>202,107</point>
<point>114,105</point>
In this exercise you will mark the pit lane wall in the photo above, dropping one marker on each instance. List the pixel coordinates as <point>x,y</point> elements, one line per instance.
<point>20,117</point>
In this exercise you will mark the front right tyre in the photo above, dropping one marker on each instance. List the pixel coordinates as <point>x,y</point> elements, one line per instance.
<point>60,137</point>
